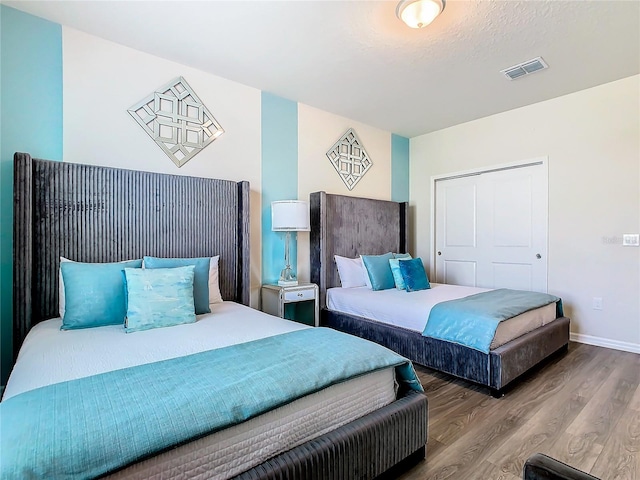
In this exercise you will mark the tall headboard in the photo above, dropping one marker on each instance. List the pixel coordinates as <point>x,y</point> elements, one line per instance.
<point>352,226</point>
<point>100,214</point>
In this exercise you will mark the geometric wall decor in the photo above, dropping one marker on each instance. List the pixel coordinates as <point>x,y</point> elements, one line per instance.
<point>349,158</point>
<point>177,120</point>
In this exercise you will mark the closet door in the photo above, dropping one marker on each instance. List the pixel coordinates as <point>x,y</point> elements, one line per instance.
<point>491,228</point>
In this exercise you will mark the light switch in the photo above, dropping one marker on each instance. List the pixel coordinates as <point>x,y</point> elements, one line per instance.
<point>631,240</point>
<point>597,303</point>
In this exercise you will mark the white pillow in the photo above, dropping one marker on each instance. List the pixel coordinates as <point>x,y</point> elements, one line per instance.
<point>350,271</point>
<point>214,281</point>
<point>61,301</point>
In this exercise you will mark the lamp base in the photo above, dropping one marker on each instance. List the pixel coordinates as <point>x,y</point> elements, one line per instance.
<point>287,277</point>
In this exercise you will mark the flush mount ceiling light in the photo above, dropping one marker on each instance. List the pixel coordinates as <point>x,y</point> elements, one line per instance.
<point>419,13</point>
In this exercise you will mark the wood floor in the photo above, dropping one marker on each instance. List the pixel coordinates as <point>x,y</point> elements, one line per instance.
<point>581,407</point>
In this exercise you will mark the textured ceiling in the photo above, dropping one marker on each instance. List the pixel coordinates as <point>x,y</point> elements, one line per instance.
<point>356,59</point>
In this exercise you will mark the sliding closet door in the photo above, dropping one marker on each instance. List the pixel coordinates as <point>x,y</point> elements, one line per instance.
<point>491,228</point>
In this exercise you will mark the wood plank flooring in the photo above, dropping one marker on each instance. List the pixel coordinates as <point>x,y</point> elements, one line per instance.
<point>581,407</point>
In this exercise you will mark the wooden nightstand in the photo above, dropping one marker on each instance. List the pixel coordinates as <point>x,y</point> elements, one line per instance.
<point>299,303</point>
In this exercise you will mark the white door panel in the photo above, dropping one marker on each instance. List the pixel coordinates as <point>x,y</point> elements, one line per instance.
<point>496,221</point>
<point>512,212</point>
<point>512,275</point>
<point>460,219</point>
<point>459,273</point>
<point>457,232</point>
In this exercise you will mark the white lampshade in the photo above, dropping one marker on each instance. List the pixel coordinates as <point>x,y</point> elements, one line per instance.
<point>419,13</point>
<point>290,216</point>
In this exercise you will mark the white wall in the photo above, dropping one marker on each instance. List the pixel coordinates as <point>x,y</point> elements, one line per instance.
<point>592,139</point>
<point>101,80</point>
<point>317,133</point>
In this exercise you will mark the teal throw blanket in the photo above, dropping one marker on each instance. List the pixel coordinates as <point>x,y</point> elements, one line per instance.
<point>90,426</point>
<point>472,321</point>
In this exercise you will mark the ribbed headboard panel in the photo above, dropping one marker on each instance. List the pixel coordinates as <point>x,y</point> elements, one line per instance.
<point>99,214</point>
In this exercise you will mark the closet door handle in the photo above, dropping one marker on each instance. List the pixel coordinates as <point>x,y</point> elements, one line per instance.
<point>538,256</point>
<point>439,252</point>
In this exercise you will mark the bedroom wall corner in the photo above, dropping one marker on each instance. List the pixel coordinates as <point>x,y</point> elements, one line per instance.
<point>592,140</point>
<point>30,121</point>
<point>279,120</point>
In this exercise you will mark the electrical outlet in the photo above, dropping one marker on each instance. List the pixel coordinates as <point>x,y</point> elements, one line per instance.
<point>631,240</point>
<point>597,303</point>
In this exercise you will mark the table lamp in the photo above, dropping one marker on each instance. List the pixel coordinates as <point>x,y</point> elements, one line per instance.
<point>289,216</point>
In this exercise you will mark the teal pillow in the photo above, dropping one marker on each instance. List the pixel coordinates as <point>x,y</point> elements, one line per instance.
<point>402,255</point>
<point>200,280</point>
<point>94,293</point>
<point>414,275</point>
<point>379,271</point>
<point>395,270</point>
<point>159,297</point>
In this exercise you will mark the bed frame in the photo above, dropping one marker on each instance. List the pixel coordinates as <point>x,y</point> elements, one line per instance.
<point>351,226</point>
<point>100,214</point>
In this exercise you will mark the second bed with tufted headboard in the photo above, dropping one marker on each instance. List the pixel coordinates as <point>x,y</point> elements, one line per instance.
<point>352,226</point>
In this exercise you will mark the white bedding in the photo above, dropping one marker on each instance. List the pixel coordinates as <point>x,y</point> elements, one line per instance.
<point>50,355</point>
<point>410,310</point>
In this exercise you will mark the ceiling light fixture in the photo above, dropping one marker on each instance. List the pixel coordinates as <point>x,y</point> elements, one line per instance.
<point>419,13</point>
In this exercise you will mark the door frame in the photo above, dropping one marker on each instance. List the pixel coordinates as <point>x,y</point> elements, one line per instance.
<point>543,161</point>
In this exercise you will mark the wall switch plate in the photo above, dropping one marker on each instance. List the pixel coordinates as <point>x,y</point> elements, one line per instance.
<point>597,303</point>
<point>631,240</point>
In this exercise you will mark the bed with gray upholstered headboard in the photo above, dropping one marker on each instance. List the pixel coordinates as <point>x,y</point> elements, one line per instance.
<point>352,226</point>
<point>100,214</point>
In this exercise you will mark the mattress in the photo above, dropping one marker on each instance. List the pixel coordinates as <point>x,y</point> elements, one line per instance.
<point>410,310</point>
<point>50,355</point>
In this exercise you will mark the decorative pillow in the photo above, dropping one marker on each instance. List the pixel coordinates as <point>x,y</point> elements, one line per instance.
<point>94,293</point>
<point>202,294</point>
<point>61,297</point>
<point>159,297</point>
<point>414,275</point>
<point>350,271</point>
<point>402,255</point>
<point>379,271</point>
<point>395,270</point>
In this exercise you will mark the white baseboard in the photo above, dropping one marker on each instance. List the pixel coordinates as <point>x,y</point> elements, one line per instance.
<point>605,342</point>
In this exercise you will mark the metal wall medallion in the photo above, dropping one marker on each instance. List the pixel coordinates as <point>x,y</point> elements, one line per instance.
<point>350,159</point>
<point>177,120</point>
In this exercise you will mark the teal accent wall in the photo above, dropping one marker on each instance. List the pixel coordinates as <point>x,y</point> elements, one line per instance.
<point>30,121</point>
<point>279,120</point>
<point>399,168</point>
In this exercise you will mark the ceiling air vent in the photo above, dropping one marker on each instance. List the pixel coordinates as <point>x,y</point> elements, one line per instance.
<point>525,68</point>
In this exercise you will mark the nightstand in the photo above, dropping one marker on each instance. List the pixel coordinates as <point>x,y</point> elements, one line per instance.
<point>299,303</point>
